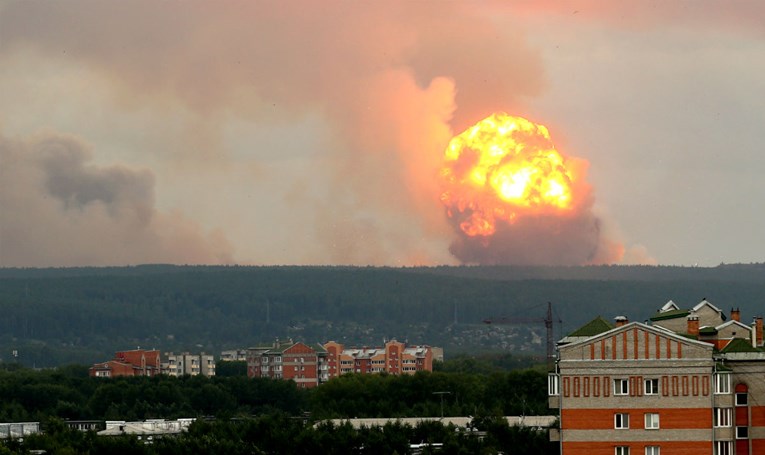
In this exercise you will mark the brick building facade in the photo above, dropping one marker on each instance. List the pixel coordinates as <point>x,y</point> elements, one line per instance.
<point>393,358</point>
<point>690,382</point>
<point>304,364</point>
<point>137,362</point>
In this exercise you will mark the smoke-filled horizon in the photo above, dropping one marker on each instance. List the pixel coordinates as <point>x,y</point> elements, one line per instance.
<point>302,133</point>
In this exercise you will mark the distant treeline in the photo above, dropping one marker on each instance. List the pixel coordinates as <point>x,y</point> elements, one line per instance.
<point>68,393</point>
<point>237,415</point>
<point>284,435</point>
<point>82,315</point>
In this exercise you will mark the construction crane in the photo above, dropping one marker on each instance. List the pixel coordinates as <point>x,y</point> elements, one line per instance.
<point>548,322</point>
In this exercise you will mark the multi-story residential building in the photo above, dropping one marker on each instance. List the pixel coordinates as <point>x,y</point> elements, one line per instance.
<point>234,355</point>
<point>393,358</point>
<point>687,382</point>
<point>299,362</point>
<point>190,364</point>
<point>137,362</point>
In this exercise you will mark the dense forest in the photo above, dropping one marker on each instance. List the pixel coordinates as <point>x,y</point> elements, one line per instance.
<point>258,416</point>
<point>69,393</point>
<point>82,315</point>
<point>282,435</point>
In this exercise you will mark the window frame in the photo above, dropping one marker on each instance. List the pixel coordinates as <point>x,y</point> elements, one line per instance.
<point>652,450</point>
<point>553,385</point>
<point>622,450</point>
<point>624,387</point>
<point>653,389</point>
<point>621,421</point>
<point>723,418</point>
<point>651,421</point>
<point>723,448</point>
<point>739,432</point>
<point>722,383</point>
<point>742,399</point>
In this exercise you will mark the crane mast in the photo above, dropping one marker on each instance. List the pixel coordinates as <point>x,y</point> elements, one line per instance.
<point>548,322</point>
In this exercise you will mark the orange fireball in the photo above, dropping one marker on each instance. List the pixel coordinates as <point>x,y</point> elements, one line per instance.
<point>501,168</point>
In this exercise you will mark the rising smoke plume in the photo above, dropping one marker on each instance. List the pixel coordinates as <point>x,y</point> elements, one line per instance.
<point>58,209</point>
<point>390,82</point>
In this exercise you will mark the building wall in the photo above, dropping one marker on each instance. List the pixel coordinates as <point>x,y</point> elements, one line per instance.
<point>393,358</point>
<point>189,364</point>
<point>607,376</point>
<point>300,364</point>
<point>148,361</point>
<point>297,362</point>
<point>747,377</point>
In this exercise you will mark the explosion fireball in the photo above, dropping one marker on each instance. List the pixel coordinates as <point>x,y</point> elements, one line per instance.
<point>514,199</point>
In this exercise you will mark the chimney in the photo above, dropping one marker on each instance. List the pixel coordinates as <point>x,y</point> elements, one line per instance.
<point>621,320</point>
<point>693,325</point>
<point>758,331</point>
<point>735,314</point>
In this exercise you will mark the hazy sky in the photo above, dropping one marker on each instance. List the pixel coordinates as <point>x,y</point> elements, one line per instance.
<point>258,132</point>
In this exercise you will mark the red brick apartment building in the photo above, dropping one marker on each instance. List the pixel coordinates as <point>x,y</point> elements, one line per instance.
<point>299,362</point>
<point>310,366</point>
<point>687,382</point>
<point>137,362</point>
<point>393,358</point>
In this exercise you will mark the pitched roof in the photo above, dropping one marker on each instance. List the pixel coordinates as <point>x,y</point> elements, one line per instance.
<point>672,314</point>
<point>739,345</point>
<point>592,328</point>
<point>669,306</point>
<point>706,302</point>
<point>732,322</point>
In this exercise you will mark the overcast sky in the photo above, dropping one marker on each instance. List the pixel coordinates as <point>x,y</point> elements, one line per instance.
<point>294,132</point>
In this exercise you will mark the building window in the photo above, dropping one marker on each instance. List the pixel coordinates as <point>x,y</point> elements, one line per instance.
<point>723,417</point>
<point>621,386</point>
<point>741,399</point>
<point>621,421</point>
<point>651,386</point>
<point>651,421</point>
<point>722,383</point>
<point>652,450</point>
<point>742,432</point>
<point>553,385</point>
<point>621,450</point>
<point>723,447</point>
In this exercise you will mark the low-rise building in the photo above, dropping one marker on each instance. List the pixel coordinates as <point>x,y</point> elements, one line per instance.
<point>137,362</point>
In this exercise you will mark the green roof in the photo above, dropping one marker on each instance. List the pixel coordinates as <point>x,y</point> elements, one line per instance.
<point>707,331</point>
<point>739,345</point>
<point>670,315</point>
<point>592,328</point>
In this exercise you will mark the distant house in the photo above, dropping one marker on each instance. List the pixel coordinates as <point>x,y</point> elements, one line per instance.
<point>18,429</point>
<point>137,362</point>
<point>234,355</point>
<point>393,358</point>
<point>190,364</point>
<point>296,361</point>
<point>146,428</point>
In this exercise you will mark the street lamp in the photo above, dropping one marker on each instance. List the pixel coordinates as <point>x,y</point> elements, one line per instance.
<point>442,401</point>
